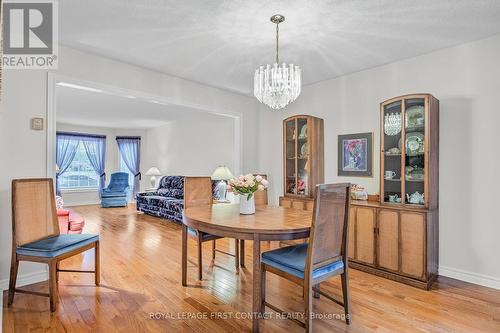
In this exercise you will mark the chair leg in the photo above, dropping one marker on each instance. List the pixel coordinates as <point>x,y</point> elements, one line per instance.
<point>213,250</point>
<point>14,265</point>
<point>57,271</point>
<point>200,258</point>
<point>97,264</point>
<point>242,252</point>
<point>237,255</point>
<point>263,290</point>
<point>345,294</point>
<point>316,289</point>
<point>53,293</point>
<point>308,294</point>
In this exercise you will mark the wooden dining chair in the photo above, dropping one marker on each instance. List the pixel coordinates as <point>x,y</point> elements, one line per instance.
<point>323,257</point>
<point>36,237</point>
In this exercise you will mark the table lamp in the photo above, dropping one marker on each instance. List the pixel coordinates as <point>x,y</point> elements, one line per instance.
<point>153,172</point>
<point>222,173</point>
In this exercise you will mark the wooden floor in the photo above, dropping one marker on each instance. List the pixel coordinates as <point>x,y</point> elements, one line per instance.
<point>141,279</point>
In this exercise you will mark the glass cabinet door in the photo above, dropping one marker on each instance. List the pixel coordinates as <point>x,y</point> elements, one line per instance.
<point>302,157</point>
<point>392,150</point>
<point>290,156</point>
<point>414,159</point>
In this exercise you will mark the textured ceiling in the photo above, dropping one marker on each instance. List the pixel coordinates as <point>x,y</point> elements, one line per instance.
<point>86,108</point>
<point>220,43</point>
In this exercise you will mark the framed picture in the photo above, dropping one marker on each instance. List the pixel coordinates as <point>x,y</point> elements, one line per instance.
<point>355,155</point>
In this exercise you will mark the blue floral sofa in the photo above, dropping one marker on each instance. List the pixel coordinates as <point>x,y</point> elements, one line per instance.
<point>172,195</point>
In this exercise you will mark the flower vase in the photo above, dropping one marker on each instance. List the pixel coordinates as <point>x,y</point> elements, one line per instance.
<point>247,205</point>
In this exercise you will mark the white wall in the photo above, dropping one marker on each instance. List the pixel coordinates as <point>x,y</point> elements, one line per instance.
<point>466,80</point>
<point>24,95</point>
<point>189,147</point>
<point>87,197</point>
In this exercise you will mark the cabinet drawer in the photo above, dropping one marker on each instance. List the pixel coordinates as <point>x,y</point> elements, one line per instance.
<point>298,204</point>
<point>284,202</point>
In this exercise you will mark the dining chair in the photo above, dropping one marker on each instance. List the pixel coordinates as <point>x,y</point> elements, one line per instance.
<point>239,245</point>
<point>36,236</point>
<point>323,257</point>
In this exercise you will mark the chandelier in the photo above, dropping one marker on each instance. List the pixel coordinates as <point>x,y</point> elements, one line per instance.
<point>277,85</point>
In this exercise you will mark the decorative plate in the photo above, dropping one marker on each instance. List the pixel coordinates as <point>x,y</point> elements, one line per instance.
<point>303,132</point>
<point>303,150</point>
<point>415,116</point>
<point>414,143</point>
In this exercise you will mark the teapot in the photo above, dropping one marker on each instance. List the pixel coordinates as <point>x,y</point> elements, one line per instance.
<point>415,198</point>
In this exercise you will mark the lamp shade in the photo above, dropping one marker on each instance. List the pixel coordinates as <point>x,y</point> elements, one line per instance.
<point>222,173</point>
<point>154,171</point>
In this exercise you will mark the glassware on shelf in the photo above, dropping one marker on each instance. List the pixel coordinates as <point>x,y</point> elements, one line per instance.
<point>392,123</point>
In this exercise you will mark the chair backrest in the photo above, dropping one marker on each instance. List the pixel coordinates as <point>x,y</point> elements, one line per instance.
<point>328,237</point>
<point>34,214</point>
<point>261,196</point>
<point>118,181</point>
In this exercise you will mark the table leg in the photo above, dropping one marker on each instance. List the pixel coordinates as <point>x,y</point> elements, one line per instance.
<point>242,252</point>
<point>256,304</point>
<point>184,255</point>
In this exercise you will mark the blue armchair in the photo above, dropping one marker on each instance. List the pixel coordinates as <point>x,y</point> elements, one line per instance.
<point>116,194</point>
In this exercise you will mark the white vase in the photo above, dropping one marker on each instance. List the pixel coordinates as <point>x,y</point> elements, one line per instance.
<point>247,206</point>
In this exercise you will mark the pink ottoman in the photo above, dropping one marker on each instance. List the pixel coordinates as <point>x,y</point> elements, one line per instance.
<point>70,222</point>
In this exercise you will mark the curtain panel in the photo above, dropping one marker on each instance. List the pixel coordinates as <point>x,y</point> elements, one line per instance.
<point>95,147</point>
<point>66,146</point>
<point>130,151</point>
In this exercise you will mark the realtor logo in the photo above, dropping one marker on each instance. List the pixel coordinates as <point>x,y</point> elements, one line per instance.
<point>30,34</point>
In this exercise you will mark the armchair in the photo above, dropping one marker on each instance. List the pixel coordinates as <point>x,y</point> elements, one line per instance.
<point>116,194</point>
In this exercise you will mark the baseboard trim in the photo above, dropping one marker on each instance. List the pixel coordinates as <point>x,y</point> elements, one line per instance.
<point>70,203</point>
<point>25,279</point>
<point>480,279</point>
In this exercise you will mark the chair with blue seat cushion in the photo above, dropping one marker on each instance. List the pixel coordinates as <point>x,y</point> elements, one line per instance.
<point>116,194</point>
<point>323,257</point>
<point>36,237</point>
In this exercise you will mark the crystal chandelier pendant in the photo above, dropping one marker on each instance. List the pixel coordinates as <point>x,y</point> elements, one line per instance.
<point>277,85</point>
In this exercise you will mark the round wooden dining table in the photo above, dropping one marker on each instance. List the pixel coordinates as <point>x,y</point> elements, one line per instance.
<point>269,223</point>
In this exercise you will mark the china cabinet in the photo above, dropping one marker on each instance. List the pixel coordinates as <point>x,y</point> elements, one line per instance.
<point>409,151</point>
<point>302,160</point>
<point>397,236</point>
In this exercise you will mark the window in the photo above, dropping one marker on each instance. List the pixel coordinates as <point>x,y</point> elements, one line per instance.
<point>80,173</point>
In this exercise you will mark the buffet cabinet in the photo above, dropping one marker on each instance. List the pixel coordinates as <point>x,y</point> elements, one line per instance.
<point>399,244</point>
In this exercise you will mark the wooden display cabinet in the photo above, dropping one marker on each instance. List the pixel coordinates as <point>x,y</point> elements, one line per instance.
<point>397,237</point>
<point>303,166</point>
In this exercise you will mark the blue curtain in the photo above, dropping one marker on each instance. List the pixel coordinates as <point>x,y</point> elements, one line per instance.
<point>95,147</point>
<point>130,151</point>
<point>66,146</point>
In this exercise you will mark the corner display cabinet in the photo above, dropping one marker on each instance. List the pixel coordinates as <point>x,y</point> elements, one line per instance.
<point>397,236</point>
<point>303,166</point>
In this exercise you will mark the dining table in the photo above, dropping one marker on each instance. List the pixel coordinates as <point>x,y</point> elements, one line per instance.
<point>269,223</point>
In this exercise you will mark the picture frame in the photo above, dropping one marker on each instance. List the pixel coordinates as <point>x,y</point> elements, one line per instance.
<point>355,155</point>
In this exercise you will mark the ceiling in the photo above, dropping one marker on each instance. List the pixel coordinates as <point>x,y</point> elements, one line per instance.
<point>221,43</point>
<point>86,108</point>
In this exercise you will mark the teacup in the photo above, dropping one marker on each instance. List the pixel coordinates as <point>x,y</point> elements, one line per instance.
<point>389,174</point>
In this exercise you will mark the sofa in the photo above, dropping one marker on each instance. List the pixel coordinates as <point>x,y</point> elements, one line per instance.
<point>173,194</point>
<point>116,194</point>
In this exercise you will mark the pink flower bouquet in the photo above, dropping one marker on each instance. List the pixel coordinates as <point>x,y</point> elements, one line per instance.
<point>247,185</point>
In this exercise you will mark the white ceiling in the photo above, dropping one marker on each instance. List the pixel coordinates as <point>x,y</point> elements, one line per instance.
<point>221,42</point>
<point>86,108</point>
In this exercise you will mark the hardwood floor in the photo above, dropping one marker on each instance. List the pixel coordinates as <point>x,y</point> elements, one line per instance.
<point>141,279</point>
